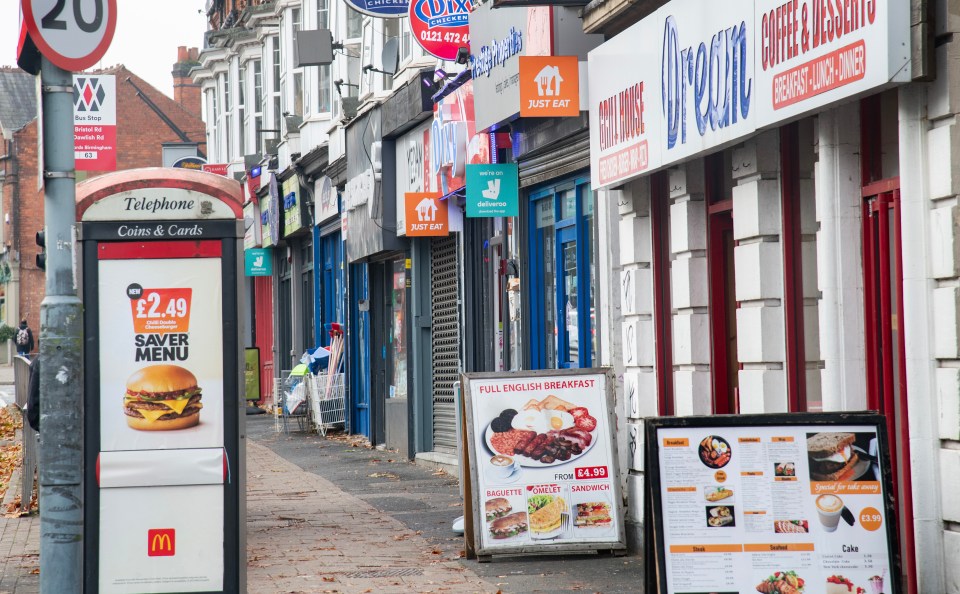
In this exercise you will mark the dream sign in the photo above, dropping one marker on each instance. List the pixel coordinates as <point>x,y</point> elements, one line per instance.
<point>441,27</point>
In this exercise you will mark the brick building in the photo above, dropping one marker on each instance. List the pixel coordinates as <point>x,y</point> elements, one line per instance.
<point>18,108</point>
<point>146,119</point>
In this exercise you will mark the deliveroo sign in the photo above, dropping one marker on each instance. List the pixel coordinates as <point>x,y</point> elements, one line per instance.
<point>493,190</point>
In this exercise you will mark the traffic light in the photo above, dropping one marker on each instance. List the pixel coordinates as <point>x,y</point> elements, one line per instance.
<point>42,256</point>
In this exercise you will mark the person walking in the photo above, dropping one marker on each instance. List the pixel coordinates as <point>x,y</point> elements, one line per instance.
<point>24,339</point>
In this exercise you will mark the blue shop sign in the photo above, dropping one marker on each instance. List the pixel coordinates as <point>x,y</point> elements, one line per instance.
<point>388,9</point>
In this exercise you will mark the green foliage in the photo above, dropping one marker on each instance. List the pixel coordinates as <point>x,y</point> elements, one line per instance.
<point>6,333</point>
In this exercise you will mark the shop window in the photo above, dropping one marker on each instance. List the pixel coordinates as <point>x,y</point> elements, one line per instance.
<point>241,108</point>
<point>724,365</point>
<point>562,267</point>
<point>663,315</point>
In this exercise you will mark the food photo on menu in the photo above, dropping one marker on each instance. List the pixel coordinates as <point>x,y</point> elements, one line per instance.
<point>715,451</point>
<point>782,582</point>
<point>505,514</point>
<point>714,494</point>
<point>542,433</point>
<point>509,526</point>
<point>720,516</point>
<point>784,469</point>
<point>791,526</point>
<point>549,516</point>
<point>842,456</point>
<point>593,514</point>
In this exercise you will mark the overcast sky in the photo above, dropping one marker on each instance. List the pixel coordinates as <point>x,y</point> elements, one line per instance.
<point>146,39</point>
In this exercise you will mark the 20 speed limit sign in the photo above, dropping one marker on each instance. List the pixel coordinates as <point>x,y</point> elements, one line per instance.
<point>73,34</point>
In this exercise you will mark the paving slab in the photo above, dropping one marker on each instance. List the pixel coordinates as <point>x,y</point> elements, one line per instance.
<point>427,502</point>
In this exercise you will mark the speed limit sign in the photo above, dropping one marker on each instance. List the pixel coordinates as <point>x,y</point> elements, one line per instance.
<point>73,34</point>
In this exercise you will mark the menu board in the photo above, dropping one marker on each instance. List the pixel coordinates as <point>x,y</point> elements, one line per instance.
<point>544,468</point>
<point>750,506</point>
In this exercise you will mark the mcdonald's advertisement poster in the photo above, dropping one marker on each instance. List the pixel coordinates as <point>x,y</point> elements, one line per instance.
<point>161,352</point>
<point>150,551</point>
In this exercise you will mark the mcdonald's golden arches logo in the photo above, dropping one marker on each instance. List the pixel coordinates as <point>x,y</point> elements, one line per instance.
<point>161,542</point>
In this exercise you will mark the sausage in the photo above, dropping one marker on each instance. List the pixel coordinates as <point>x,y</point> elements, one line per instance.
<point>532,446</point>
<point>524,441</point>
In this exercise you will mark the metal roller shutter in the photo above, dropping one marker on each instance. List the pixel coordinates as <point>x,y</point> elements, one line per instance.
<point>445,340</point>
<point>560,159</point>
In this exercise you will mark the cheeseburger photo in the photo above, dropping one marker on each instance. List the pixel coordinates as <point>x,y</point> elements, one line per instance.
<point>162,398</point>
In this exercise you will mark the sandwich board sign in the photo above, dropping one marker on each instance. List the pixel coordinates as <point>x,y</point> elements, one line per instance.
<point>543,463</point>
<point>772,503</point>
<point>163,399</point>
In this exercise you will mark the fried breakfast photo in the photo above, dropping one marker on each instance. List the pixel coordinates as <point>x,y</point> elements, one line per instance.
<point>162,398</point>
<point>545,432</point>
<point>714,451</point>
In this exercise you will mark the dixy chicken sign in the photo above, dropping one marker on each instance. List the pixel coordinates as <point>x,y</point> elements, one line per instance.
<point>549,86</point>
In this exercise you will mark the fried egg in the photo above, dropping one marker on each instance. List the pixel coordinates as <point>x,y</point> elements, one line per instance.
<point>542,421</point>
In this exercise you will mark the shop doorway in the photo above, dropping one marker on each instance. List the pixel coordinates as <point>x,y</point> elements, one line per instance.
<point>284,312</point>
<point>724,363</point>
<point>562,274</point>
<point>359,339</point>
<point>883,305</point>
<point>886,349</point>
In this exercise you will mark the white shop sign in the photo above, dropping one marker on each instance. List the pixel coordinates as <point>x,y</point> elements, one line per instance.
<point>498,39</point>
<point>696,84</point>
<point>413,164</point>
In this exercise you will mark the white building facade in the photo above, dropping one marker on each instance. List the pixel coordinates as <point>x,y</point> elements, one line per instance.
<point>783,221</point>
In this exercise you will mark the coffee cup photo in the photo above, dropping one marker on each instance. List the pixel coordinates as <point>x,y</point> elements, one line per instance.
<point>503,466</point>
<point>830,509</point>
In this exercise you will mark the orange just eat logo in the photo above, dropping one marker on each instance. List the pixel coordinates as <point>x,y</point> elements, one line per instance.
<point>426,215</point>
<point>549,86</point>
<point>161,542</point>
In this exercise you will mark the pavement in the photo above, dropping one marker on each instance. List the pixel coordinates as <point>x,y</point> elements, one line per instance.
<point>328,515</point>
